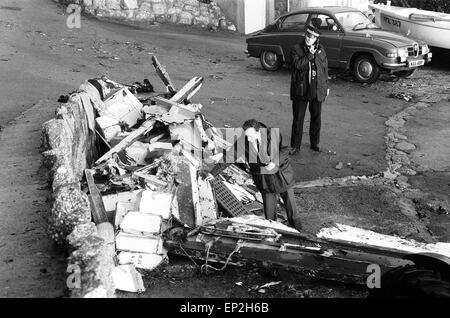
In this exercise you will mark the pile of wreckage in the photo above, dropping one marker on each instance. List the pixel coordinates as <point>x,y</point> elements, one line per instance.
<point>148,183</point>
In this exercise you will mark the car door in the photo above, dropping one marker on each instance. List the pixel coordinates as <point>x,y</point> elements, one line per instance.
<point>292,31</point>
<point>331,36</point>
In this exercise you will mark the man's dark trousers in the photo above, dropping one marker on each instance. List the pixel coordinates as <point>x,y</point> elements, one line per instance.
<point>270,203</point>
<point>299,110</point>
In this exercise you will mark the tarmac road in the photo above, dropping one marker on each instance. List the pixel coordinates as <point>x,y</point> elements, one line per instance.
<point>41,59</point>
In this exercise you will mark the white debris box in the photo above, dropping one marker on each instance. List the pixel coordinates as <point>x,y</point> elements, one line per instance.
<point>126,278</point>
<point>141,260</point>
<point>109,127</point>
<point>141,223</point>
<point>138,151</point>
<point>122,209</point>
<point>156,203</point>
<point>124,107</point>
<point>110,200</point>
<point>140,244</point>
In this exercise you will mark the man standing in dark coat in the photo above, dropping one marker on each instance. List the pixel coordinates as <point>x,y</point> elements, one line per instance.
<point>309,85</point>
<point>270,168</point>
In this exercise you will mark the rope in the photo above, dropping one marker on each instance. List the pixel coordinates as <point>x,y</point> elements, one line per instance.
<point>181,247</point>
<point>205,267</point>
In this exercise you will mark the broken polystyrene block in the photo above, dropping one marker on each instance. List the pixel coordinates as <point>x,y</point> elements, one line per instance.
<point>141,223</point>
<point>156,203</point>
<point>124,107</point>
<point>186,133</point>
<point>122,208</point>
<point>138,243</point>
<point>110,201</point>
<point>126,278</point>
<point>109,127</point>
<point>138,151</point>
<point>141,260</point>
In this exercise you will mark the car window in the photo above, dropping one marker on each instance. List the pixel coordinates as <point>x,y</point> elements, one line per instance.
<point>295,22</point>
<point>323,22</point>
<point>354,19</point>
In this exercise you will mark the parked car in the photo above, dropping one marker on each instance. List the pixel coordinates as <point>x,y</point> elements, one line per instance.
<point>350,39</point>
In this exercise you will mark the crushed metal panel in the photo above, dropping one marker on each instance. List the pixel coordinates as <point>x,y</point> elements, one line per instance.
<point>227,200</point>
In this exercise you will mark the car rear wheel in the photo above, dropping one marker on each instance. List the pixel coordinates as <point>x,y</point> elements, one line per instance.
<point>270,61</point>
<point>365,69</point>
<point>404,73</point>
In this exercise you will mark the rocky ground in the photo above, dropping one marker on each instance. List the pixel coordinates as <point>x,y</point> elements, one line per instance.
<point>396,130</point>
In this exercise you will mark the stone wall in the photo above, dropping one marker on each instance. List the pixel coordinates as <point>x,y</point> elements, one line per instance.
<point>69,148</point>
<point>202,13</point>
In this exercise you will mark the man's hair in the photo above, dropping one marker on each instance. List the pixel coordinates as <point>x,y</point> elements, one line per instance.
<point>252,123</point>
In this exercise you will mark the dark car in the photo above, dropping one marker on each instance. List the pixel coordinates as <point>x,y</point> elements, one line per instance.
<point>350,39</point>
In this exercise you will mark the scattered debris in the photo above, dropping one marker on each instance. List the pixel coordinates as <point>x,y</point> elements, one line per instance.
<point>403,96</point>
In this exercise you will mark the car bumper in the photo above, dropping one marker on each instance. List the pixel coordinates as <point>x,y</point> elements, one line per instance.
<point>409,63</point>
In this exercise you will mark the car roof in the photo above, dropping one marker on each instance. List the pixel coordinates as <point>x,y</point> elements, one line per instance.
<point>326,9</point>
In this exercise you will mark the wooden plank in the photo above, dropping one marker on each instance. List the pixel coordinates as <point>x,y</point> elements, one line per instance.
<point>162,73</point>
<point>128,140</point>
<point>97,208</point>
<point>195,108</point>
<point>195,196</point>
<point>187,90</point>
<point>208,204</point>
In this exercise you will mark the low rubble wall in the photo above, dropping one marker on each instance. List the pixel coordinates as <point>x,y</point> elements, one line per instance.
<point>70,147</point>
<point>203,13</point>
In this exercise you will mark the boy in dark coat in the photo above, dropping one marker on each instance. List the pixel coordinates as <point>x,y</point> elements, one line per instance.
<point>309,85</point>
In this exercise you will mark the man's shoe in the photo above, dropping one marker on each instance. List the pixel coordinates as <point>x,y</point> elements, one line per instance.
<point>315,147</point>
<point>294,151</point>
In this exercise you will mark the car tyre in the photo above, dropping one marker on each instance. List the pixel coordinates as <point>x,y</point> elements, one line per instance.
<point>270,61</point>
<point>411,281</point>
<point>365,69</point>
<point>404,73</point>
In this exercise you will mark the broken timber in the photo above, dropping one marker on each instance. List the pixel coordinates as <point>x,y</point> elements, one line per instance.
<point>128,140</point>
<point>163,75</point>
<point>97,208</point>
<point>188,90</point>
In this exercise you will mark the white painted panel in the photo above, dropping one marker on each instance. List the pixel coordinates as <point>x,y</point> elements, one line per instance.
<point>255,15</point>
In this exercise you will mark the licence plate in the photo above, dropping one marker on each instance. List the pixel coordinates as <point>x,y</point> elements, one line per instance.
<point>416,63</point>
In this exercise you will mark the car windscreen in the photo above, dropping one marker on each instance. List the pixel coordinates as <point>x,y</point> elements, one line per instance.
<point>354,20</point>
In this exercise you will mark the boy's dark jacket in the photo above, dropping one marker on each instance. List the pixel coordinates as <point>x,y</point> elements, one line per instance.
<point>301,58</point>
<point>278,180</point>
